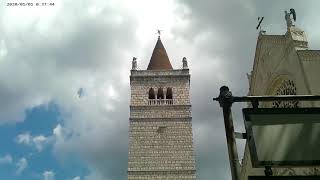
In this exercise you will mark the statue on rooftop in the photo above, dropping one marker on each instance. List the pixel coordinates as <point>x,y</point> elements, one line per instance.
<point>134,63</point>
<point>288,17</point>
<point>184,63</point>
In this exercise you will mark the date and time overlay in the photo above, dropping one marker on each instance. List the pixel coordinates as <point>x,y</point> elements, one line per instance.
<point>29,4</point>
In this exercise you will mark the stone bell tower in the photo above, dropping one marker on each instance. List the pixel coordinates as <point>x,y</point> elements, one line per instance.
<point>160,131</point>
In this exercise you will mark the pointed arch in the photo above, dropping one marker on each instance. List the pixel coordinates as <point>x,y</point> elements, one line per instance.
<point>169,93</point>
<point>282,85</point>
<point>160,94</point>
<point>151,94</point>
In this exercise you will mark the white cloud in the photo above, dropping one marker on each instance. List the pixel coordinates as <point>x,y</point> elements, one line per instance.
<point>112,93</point>
<point>21,165</point>
<point>94,175</point>
<point>66,50</point>
<point>3,49</point>
<point>38,142</point>
<point>58,131</point>
<point>76,178</point>
<point>24,138</point>
<point>50,65</point>
<point>48,175</point>
<point>7,159</point>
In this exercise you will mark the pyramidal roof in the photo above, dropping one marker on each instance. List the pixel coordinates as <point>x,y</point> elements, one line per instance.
<point>159,59</point>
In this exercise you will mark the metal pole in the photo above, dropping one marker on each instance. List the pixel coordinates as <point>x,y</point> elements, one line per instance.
<point>273,98</point>
<point>225,100</point>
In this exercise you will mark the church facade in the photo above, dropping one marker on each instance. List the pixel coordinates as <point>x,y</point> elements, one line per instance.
<point>283,65</point>
<point>160,128</point>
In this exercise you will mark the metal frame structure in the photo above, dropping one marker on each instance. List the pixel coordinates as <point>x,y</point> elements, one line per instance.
<point>283,178</point>
<point>226,100</point>
<point>247,112</point>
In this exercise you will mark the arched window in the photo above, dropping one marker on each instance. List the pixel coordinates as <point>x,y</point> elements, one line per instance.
<point>160,94</point>
<point>169,93</point>
<point>287,87</point>
<point>151,94</point>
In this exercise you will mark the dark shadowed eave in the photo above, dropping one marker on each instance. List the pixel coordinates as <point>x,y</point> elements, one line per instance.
<point>159,59</point>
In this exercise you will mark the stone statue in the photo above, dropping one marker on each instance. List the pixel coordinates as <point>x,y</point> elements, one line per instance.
<point>288,19</point>
<point>134,63</point>
<point>184,63</point>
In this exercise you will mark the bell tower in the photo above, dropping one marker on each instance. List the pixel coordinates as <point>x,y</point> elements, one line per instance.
<point>160,128</point>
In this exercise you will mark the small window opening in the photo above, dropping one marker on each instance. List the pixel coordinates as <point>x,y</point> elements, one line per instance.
<point>169,93</point>
<point>151,94</point>
<point>160,94</point>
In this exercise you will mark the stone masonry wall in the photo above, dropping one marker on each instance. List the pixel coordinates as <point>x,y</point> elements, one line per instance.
<point>140,85</point>
<point>160,145</point>
<point>161,111</point>
<point>160,136</point>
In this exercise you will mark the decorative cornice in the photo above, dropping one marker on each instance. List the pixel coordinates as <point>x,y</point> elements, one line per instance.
<point>309,55</point>
<point>132,107</point>
<point>172,119</point>
<point>133,78</point>
<point>152,172</point>
<point>174,72</point>
<point>275,39</point>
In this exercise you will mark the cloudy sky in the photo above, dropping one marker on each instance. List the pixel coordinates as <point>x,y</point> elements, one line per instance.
<point>64,77</point>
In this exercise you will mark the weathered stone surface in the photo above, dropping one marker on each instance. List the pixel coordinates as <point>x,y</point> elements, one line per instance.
<point>141,81</point>
<point>280,59</point>
<point>160,134</point>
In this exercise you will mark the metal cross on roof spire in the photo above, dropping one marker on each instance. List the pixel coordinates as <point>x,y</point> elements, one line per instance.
<point>260,19</point>
<point>158,32</point>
